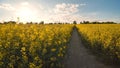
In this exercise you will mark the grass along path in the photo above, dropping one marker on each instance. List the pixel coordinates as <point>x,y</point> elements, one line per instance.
<point>79,57</point>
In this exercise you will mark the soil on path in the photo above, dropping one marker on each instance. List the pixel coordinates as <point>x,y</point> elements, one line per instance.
<point>79,57</point>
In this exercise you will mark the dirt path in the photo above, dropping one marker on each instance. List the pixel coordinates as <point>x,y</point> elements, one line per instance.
<point>79,57</point>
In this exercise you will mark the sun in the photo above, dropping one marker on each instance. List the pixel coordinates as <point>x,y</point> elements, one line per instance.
<point>26,14</point>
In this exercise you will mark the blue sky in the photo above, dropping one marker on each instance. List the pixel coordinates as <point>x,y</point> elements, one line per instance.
<point>60,10</point>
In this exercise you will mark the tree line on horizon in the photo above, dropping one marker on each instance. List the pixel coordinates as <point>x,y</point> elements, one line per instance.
<point>74,22</point>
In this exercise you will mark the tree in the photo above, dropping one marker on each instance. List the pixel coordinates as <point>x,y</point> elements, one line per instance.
<point>10,22</point>
<point>42,22</point>
<point>86,22</point>
<point>74,22</point>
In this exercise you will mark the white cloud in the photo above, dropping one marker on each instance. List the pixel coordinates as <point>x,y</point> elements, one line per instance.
<point>24,3</point>
<point>63,13</point>
<point>66,8</point>
<point>83,4</point>
<point>7,6</point>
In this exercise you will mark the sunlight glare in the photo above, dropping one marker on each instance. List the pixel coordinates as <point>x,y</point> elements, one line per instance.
<point>26,14</point>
